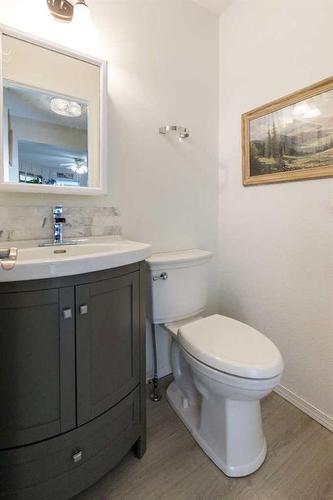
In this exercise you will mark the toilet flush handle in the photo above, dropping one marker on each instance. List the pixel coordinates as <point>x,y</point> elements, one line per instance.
<point>163,276</point>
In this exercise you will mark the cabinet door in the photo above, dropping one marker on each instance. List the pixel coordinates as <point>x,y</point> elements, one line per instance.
<point>107,341</point>
<point>37,366</point>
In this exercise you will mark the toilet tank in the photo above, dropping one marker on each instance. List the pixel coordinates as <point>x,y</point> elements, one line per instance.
<point>183,291</point>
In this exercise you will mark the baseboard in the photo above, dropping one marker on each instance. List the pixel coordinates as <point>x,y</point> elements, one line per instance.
<point>306,407</point>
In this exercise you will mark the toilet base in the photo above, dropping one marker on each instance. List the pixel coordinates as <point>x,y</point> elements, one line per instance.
<point>190,416</point>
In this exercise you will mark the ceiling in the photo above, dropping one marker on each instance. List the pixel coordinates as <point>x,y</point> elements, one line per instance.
<point>216,6</point>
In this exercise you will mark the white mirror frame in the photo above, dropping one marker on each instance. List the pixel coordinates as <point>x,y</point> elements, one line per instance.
<point>41,188</point>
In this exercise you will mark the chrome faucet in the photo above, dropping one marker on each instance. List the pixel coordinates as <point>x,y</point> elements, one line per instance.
<point>58,230</point>
<point>59,220</point>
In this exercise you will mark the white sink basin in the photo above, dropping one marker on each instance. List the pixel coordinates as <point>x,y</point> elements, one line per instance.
<point>91,254</point>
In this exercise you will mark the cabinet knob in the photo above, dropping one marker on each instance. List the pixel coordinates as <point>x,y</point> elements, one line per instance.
<point>77,456</point>
<point>83,309</point>
<point>67,313</point>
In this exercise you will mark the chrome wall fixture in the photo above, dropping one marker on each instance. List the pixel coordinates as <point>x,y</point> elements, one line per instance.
<point>8,258</point>
<point>183,132</point>
<point>64,9</point>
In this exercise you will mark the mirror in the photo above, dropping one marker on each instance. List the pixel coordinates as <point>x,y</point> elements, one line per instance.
<point>52,118</point>
<point>45,138</point>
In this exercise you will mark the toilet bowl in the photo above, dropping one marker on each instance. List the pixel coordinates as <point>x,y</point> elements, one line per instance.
<point>222,368</point>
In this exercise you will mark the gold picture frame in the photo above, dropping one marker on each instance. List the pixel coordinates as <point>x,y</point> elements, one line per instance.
<point>290,138</point>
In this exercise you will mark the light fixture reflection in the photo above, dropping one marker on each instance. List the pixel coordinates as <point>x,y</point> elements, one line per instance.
<point>79,169</point>
<point>65,107</point>
<point>77,165</point>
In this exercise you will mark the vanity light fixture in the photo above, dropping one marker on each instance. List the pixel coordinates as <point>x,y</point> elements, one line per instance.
<point>183,132</point>
<point>65,107</point>
<point>64,10</point>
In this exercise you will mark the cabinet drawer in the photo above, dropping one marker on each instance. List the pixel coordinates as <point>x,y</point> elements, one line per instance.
<point>48,470</point>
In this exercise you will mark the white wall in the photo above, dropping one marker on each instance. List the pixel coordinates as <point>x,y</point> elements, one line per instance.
<point>163,69</point>
<point>277,240</point>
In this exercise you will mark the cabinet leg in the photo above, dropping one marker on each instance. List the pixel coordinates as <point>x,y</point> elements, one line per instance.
<point>139,447</point>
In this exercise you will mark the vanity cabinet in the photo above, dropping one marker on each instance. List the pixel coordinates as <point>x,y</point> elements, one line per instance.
<point>72,380</point>
<point>37,366</point>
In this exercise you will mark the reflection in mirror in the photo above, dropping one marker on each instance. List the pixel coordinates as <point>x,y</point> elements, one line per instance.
<point>45,138</point>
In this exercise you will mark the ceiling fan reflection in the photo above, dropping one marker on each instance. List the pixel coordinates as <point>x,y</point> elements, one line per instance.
<point>78,166</point>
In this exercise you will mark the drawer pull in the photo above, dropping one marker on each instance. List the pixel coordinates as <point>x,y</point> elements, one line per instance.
<point>67,313</point>
<point>83,309</point>
<point>77,456</point>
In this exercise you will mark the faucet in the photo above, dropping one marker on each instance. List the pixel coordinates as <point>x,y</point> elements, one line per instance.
<point>58,230</point>
<point>59,220</point>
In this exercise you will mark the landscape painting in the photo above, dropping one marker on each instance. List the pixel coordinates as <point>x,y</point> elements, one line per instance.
<point>290,139</point>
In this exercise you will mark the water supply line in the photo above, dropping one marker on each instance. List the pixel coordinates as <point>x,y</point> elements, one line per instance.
<point>155,394</point>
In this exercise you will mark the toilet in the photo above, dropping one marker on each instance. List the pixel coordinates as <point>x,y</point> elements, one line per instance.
<point>222,368</point>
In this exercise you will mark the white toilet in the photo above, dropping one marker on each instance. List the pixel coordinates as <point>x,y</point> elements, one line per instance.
<point>221,367</point>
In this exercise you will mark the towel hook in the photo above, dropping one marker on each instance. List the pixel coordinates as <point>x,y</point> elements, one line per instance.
<point>183,132</point>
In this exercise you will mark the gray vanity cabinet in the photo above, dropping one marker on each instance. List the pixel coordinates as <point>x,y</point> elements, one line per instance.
<point>108,343</point>
<point>37,369</point>
<point>72,380</point>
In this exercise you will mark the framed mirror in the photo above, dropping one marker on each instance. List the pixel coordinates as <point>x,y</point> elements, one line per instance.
<point>53,104</point>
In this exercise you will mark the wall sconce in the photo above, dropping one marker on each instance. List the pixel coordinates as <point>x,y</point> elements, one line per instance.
<point>183,132</point>
<point>63,10</point>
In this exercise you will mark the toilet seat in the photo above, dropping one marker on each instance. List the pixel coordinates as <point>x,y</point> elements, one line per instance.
<point>232,347</point>
<point>233,382</point>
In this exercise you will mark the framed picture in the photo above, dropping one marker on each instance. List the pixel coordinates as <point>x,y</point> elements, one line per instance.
<point>291,138</point>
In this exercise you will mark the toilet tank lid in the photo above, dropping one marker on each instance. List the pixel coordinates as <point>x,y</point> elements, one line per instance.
<point>180,258</point>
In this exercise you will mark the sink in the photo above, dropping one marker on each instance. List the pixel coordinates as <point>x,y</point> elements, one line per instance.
<point>88,255</point>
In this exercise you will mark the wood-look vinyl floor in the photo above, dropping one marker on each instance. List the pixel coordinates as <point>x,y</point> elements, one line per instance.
<point>299,464</point>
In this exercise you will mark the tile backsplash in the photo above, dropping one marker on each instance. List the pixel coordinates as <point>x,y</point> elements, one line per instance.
<point>36,222</point>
